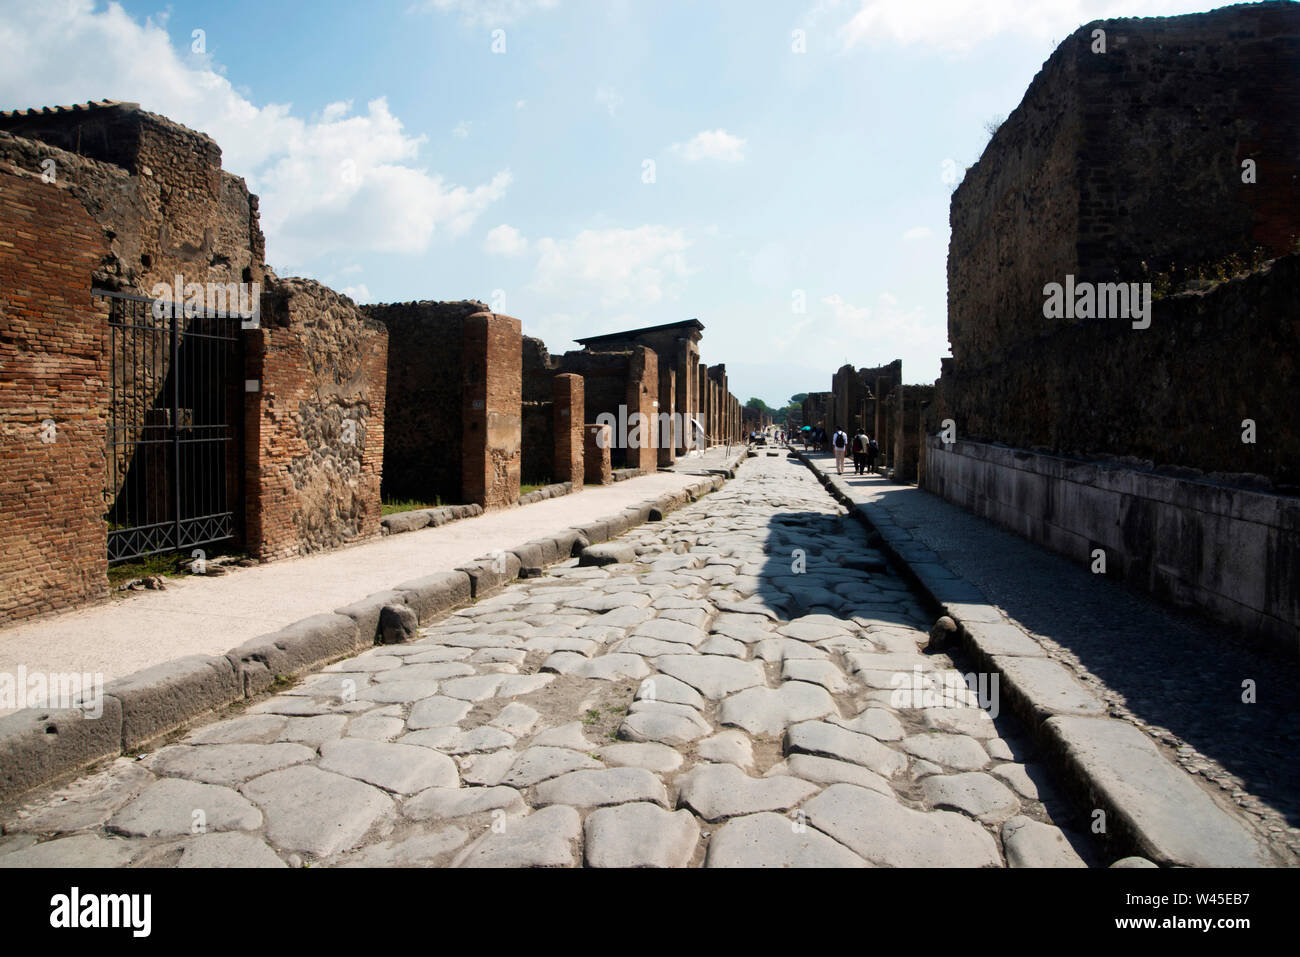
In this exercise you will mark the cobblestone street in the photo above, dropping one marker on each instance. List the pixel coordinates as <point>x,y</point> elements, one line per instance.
<point>723,691</point>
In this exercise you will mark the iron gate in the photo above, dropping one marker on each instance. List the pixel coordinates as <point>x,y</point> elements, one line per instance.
<point>174,459</point>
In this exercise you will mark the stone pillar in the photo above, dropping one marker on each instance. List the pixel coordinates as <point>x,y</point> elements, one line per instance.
<point>702,384</point>
<point>596,469</point>
<point>642,397</point>
<point>567,413</point>
<point>491,409</point>
<point>685,375</point>
<point>667,426</point>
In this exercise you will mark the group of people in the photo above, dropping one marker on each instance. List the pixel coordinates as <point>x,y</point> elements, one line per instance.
<point>864,448</point>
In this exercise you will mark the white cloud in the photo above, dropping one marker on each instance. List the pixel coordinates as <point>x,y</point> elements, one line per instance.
<point>633,267</point>
<point>712,144</point>
<point>520,104</point>
<point>343,180</point>
<point>491,12</point>
<point>358,293</point>
<point>917,232</point>
<point>461,129</point>
<point>960,25</point>
<point>505,240</point>
<point>609,99</point>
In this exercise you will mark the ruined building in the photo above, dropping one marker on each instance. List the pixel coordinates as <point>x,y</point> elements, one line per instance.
<point>161,390</point>
<point>1162,151</point>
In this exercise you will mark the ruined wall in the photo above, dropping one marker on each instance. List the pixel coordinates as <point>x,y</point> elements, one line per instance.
<point>491,386</point>
<point>909,402</point>
<point>314,431</point>
<point>537,460</point>
<point>1175,394</point>
<point>643,398</point>
<point>1121,165</point>
<point>53,366</point>
<point>422,414</point>
<point>606,378</point>
<point>1232,554</point>
<point>567,408</point>
<point>817,409</point>
<point>157,189</point>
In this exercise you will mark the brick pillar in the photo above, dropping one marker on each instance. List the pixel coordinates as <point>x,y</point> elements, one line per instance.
<point>491,410</point>
<point>685,377</point>
<point>595,455</point>
<point>567,412</point>
<point>642,396</point>
<point>702,384</point>
<point>667,427</point>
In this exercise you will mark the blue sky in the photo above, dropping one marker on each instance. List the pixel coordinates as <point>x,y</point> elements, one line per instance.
<point>398,156</point>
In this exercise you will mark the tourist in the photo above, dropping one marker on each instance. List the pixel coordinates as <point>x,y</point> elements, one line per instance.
<point>860,442</point>
<point>873,452</point>
<point>840,443</point>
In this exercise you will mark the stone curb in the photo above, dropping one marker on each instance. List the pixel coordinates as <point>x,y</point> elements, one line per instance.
<point>41,746</point>
<point>418,518</point>
<point>1153,808</point>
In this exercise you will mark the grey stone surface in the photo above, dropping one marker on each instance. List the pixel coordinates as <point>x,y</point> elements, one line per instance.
<point>728,747</point>
<point>608,553</point>
<point>877,722</point>
<point>1031,843</point>
<point>820,770</point>
<point>771,840</point>
<point>713,676</point>
<point>447,803</point>
<point>716,791</point>
<point>972,792</point>
<point>666,724</point>
<point>1172,820</point>
<point>1037,688</point>
<point>887,834</point>
<point>644,754</point>
<point>167,696</point>
<point>229,849</point>
<point>955,751</point>
<point>84,803</point>
<point>770,710</point>
<point>437,712</point>
<point>539,764</point>
<point>315,811</point>
<point>544,838</point>
<point>639,835</point>
<point>400,768</point>
<point>828,740</point>
<point>601,788</point>
<point>670,689</point>
<point>174,807</point>
<point>227,764</point>
<point>80,851</point>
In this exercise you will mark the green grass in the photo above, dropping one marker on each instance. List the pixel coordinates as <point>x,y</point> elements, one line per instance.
<point>393,505</point>
<point>527,487</point>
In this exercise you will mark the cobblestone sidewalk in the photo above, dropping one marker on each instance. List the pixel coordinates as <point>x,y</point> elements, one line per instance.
<point>723,691</point>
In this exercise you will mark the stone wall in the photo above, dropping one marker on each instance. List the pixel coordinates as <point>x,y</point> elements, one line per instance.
<point>53,368</point>
<point>491,388</point>
<point>567,407</point>
<point>1230,553</point>
<point>314,434</point>
<point>423,447</point>
<point>1173,395</point>
<point>1122,165</point>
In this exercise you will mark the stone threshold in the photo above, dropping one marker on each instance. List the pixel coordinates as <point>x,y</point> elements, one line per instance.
<point>1115,773</point>
<point>39,747</point>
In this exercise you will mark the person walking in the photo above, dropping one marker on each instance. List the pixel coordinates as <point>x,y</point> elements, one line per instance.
<point>860,453</point>
<point>873,452</point>
<point>840,444</point>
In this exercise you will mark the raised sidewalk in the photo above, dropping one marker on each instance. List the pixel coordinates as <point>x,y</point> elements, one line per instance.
<point>1140,707</point>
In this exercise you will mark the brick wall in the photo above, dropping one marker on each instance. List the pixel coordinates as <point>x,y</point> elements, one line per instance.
<point>643,398</point>
<point>422,413</point>
<point>314,442</point>
<point>491,378</point>
<point>567,407</point>
<point>53,336</point>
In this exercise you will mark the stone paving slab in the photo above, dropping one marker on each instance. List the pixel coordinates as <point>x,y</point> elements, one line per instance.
<point>960,560</point>
<point>764,734</point>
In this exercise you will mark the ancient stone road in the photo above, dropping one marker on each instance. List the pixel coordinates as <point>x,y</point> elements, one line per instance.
<point>725,692</point>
